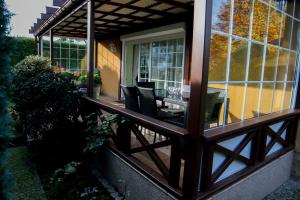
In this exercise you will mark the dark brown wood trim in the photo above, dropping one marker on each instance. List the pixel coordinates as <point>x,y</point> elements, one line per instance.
<point>222,132</point>
<point>188,49</point>
<point>164,128</point>
<point>199,77</point>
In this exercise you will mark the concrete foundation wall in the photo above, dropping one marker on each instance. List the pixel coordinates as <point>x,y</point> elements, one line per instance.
<point>137,187</point>
<point>127,180</point>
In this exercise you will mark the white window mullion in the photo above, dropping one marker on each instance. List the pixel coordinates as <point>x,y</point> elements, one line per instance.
<point>248,62</point>
<point>228,64</point>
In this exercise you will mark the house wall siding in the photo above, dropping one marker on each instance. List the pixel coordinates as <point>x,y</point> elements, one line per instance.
<point>109,65</point>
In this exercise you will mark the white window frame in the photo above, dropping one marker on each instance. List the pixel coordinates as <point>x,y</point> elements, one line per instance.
<point>174,31</point>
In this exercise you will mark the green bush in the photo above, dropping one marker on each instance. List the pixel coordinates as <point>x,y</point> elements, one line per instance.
<point>45,101</point>
<point>6,47</point>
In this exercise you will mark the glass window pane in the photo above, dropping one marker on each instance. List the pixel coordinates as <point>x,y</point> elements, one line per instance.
<point>74,65</point>
<point>218,58</point>
<point>236,100</point>
<point>271,62</point>
<point>279,4</point>
<point>241,17</point>
<point>295,39</point>
<point>274,26</point>
<point>286,31</point>
<point>266,98</point>
<point>238,62</point>
<point>56,43</point>
<point>292,67</point>
<point>172,46</point>
<point>179,47</point>
<point>56,52</point>
<point>56,62</point>
<point>252,97</point>
<point>163,47</point>
<point>221,15</point>
<point>73,53</point>
<point>260,21</point>
<point>297,8</point>
<point>282,65</point>
<point>171,74</point>
<point>154,73</point>
<point>256,62</point>
<point>178,75</point>
<point>287,96</point>
<point>179,61</point>
<point>65,53</point>
<point>277,99</point>
<point>46,52</point>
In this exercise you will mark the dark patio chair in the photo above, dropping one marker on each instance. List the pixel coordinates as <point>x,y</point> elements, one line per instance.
<point>149,107</point>
<point>146,84</point>
<point>212,108</point>
<point>131,98</point>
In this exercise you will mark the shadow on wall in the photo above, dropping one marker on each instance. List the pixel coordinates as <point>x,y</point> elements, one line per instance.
<point>109,65</point>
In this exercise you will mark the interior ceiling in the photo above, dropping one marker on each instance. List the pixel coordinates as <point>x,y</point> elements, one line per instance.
<point>121,16</point>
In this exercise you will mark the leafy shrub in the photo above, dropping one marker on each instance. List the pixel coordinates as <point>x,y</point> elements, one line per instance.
<point>45,104</point>
<point>97,135</point>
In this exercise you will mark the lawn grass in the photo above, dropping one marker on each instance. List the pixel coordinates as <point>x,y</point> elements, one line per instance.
<point>27,185</point>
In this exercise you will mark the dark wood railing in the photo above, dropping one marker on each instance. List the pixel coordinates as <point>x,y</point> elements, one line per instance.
<point>136,125</point>
<point>233,152</point>
<point>229,153</point>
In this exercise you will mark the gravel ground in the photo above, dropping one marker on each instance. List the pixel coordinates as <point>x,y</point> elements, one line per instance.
<point>288,191</point>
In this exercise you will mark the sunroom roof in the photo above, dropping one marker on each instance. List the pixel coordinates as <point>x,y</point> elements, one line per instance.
<point>113,16</point>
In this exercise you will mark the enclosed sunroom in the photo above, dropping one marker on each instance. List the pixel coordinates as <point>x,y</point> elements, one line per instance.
<point>209,90</point>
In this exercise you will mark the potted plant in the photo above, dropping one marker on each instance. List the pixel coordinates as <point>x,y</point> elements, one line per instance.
<point>97,84</point>
<point>82,83</point>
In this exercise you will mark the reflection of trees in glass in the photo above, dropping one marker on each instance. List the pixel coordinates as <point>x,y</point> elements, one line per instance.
<point>218,58</point>
<point>282,64</point>
<point>241,17</point>
<point>274,27</point>
<point>260,19</point>
<point>256,62</point>
<point>271,61</point>
<point>238,62</point>
<point>221,15</point>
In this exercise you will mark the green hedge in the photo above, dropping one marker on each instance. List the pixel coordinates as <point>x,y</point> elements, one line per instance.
<point>23,47</point>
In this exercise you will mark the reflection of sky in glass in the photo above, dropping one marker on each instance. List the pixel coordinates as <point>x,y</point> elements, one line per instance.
<point>217,6</point>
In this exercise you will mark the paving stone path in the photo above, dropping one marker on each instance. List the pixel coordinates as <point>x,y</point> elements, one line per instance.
<point>290,190</point>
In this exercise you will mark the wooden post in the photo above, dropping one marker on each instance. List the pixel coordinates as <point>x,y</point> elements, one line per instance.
<point>51,46</point>
<point>199,78</point>
<point>39,45</point>
<point>175,163</point>
<point>90,47</point>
